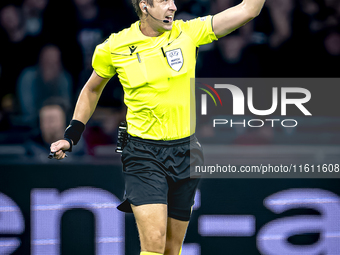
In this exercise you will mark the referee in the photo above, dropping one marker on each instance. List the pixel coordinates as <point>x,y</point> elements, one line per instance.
<point>154,60</point>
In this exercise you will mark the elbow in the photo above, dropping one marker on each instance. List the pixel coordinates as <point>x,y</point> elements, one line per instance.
<point>250,16</point>
<point>257,12</point>
<point>252,11</point>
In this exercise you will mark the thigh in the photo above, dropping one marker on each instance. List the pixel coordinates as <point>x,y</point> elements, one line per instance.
<point>151,221</point>
<point>175,233</point>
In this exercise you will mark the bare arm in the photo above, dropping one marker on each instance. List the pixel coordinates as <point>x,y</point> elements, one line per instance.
<point>89,97</point>
<point>85,107</point>
<point>232,18</point>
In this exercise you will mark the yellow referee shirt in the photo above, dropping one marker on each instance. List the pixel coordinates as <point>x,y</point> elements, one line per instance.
<point>155,74</point>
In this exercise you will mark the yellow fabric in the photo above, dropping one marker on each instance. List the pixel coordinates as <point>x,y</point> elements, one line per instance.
<point>149,253</point>
<point>155,74</point>
<point>154,253</point>
<point>101,61</point>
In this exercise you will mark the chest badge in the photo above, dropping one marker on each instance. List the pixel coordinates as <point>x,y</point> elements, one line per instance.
<point>175,59</point>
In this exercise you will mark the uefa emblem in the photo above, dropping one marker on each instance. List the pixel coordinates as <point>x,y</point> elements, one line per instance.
<point>175,59</point>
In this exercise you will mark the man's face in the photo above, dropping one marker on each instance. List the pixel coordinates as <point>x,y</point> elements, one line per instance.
<point>162,10</point>
<point>52,122</point>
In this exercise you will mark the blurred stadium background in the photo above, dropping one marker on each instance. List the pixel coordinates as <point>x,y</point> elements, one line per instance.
<point>68,207</point>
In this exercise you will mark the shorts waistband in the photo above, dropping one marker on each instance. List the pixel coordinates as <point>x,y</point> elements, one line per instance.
<point>162,142</point>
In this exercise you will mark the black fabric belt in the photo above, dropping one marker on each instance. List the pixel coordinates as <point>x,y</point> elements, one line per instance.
<point>162,142</point>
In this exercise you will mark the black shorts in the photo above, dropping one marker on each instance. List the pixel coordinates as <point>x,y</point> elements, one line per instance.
<point>158,172</point>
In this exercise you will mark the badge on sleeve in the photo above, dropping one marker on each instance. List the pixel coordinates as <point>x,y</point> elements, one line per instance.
<point>175,59</point>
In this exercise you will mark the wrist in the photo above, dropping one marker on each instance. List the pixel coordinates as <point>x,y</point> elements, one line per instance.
<point>70,142</point>
<point>73,132</point>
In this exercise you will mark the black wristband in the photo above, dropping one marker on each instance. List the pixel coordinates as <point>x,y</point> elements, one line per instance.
<point>74,131</point>
<point>70,142</point>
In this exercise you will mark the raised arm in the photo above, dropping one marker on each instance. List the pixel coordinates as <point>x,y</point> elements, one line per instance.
<point>232,18</point>
<point>85,107</point>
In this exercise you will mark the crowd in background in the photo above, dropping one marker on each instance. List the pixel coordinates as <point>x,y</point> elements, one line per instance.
<point>47,46</point>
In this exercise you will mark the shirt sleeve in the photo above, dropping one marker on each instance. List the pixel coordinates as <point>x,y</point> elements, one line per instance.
<point>101,61</point>
<point>200,30</point>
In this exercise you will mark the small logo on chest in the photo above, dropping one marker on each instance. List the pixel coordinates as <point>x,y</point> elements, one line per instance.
<point>175,59</point>
<point>132,49</point>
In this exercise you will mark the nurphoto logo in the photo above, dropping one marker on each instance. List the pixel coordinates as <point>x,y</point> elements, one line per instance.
<point>295,96</point>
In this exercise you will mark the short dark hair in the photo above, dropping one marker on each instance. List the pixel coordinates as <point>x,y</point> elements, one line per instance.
<point>59,101</point>
<point>135,4</point>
